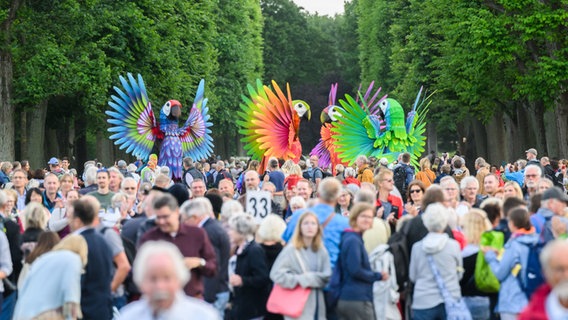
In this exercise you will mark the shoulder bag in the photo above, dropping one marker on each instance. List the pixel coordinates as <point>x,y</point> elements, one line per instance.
<point>289,302</point>
<point>455,309</point>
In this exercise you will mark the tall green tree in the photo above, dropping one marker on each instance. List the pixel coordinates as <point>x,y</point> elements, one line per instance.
<point>239,45</point>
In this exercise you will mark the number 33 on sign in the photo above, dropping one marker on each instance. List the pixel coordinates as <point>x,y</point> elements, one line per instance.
<point>259,204</point>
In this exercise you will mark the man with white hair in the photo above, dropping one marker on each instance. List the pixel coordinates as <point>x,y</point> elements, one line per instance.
<point>364,174</point>
<point>469,187</point>
<point>199,213</point>
<point>550,301</point>
<point>90,180</point>
<point>160,273</point>
<point>221,174</point>
<point>533,174</point>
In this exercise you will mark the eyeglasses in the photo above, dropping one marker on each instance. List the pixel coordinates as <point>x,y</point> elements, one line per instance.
<point>416,191</point>
<point>164,217</point>
<point>102,170</point>
<point>133,188</point>
<point>530,176</point>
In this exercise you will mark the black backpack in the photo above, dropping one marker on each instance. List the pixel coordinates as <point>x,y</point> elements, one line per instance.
<point>130,252</point>
<point>398,246</point>
<point>399,177</point>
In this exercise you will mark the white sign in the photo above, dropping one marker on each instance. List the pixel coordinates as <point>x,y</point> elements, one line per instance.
<point>259,204</point>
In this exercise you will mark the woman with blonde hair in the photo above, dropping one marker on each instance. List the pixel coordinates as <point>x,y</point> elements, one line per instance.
<point>512,189</point>
<point>52,288</point>
<point>426,175</point>
<point>287,166</point>
<point>474,224</point>
<point>66,184</point>
<point>305,262</point>
<point>35,221</point>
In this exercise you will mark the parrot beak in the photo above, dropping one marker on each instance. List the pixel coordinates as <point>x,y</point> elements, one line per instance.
<point>175,109</point>
<point>324,117</point>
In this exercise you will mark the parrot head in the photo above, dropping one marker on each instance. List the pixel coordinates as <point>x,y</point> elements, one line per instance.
<point>172,109</point>
<point>302,108</point>
<point>330,114</point>
<point>388,103</point>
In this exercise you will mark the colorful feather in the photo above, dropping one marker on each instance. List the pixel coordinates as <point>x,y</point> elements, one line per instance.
<point>270,123</point>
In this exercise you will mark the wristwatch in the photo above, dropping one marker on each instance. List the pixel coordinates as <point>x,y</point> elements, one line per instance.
<point>202,262</point>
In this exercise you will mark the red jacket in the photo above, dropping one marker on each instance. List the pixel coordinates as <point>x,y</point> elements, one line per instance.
<point>536,309</point>
<point>395,201</point>
<point>352,180</point>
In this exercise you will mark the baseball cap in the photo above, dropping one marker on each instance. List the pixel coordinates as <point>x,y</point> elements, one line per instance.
<point>555,193</point>
<point>53,161</point>
<point>532,150</point>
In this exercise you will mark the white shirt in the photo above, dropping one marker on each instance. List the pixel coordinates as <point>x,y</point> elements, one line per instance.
<point>554,309</point>
<point>184,307</point>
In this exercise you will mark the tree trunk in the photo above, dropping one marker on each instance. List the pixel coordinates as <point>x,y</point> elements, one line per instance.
<point>538,121</point>
<point>480,134</point>
<point>562,125</point>
<point>526,135</point>
<point>104,149</point>
<point>7,137</point>
<point>80,141</point>
<point>431,138</point>
<point>551,132</point>
<point>496,146</point>
<point>7,150</point>
<point>238,142</point>
<point>36,138</point>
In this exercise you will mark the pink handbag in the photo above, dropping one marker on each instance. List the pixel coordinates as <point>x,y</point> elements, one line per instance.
<point>288,302</point>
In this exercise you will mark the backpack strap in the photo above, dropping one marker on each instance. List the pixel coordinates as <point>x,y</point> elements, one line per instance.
<point>327,220</point>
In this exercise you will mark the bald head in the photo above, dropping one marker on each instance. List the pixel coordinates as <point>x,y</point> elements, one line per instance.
<point>252,180</point>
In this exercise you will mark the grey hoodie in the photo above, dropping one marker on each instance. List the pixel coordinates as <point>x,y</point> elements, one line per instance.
<point>447,256</point>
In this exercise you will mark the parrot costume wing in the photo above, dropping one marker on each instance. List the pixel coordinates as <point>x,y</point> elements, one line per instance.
<point>382,133</point>
<point>325,149</point>
<point>195,135</point>
<point>270,122</point>
<point>132,119</point>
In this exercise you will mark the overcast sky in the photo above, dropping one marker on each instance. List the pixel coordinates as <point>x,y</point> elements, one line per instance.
<point>323,7</point>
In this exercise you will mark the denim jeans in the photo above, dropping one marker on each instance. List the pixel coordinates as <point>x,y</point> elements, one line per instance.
<point>479,307</point>
<point>436,313</point>
<point>221,303</point>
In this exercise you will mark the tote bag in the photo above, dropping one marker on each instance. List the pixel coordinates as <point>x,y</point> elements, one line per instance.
<point>289,302</point>
<point>455,309</point>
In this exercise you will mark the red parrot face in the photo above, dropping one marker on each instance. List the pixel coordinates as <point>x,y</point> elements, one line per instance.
<point>172,109</point>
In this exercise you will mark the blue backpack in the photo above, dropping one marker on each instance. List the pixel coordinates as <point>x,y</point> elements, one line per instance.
<point>530,277</point>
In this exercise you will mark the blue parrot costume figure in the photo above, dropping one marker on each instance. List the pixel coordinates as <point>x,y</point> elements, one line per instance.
<point>134,126</point>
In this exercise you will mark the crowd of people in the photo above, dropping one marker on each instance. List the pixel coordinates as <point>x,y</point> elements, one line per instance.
<point>372,240</point>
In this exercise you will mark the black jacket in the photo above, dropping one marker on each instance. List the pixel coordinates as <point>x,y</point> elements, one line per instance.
<point>220,241</point>
<point>250,299</point>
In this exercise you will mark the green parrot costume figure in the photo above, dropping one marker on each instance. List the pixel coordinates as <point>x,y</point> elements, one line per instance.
<point>382,131</point>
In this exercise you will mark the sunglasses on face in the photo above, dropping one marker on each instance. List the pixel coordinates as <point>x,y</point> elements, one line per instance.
<point>416,191</point>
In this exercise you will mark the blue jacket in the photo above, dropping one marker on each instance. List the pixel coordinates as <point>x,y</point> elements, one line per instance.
<point>518,177</point>
<point>331,233</point>
<point>3,178</point>
<point>356,275</point>
<point>511,297</point>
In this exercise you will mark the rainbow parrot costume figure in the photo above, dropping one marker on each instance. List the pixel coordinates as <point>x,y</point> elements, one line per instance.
<point>380,129</point>
<point>136,129</point>
<point>326,148</point>
<point>270,123</point>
